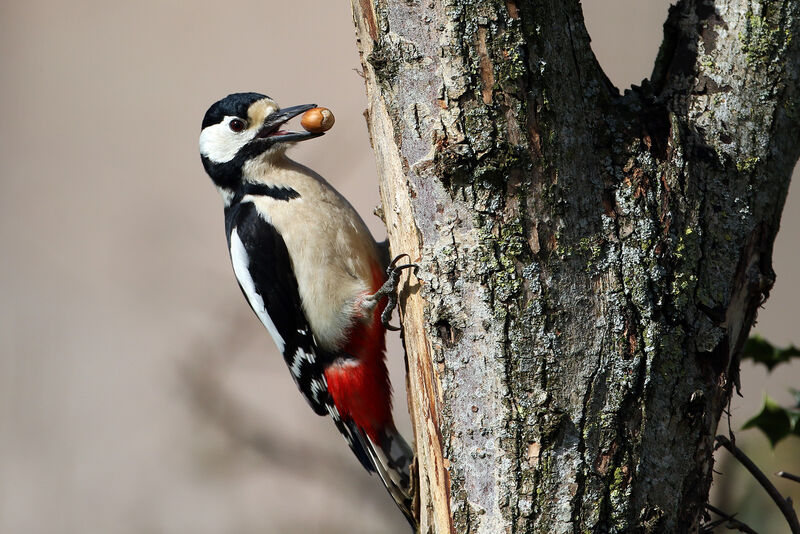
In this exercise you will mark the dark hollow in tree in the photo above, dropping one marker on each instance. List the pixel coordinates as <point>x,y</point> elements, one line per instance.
<point>591,263</point>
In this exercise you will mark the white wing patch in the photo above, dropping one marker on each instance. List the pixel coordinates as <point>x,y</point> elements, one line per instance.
<point>241,264</point>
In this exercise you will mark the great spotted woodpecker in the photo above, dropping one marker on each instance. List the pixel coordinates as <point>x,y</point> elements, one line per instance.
<point>312,273</point>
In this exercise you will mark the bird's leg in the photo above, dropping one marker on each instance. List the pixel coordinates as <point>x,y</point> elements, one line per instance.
<point>389,290</point>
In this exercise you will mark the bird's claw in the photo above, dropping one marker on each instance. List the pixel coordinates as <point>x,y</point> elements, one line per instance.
<point>395,270</point>
<point>389,288</point>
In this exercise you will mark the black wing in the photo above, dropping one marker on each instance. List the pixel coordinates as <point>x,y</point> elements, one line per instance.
<point>263,269</point>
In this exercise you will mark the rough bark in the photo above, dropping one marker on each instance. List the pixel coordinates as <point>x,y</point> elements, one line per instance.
<point>591,262</point>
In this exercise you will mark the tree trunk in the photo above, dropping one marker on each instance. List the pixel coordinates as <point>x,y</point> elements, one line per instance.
<point>590,263</point>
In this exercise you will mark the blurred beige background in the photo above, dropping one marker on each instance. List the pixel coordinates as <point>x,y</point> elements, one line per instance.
<point>138,394</point>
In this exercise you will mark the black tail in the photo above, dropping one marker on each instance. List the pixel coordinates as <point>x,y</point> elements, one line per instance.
<point>391,459</point>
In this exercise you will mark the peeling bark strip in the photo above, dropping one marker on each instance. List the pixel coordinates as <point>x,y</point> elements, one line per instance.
<point>591,263</point>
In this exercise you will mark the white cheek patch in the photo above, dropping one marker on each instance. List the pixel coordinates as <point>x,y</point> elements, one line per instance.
<point>241,263</point>
<point>220,144</point>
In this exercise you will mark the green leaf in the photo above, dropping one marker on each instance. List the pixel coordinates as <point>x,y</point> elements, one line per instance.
<point>773,420</point>
<point>762,351</point>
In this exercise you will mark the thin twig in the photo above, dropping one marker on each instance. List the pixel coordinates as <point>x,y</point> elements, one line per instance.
<point>784,505</point>
<point>732,521</point>
<point>790,476</point>
<point>730,428</point>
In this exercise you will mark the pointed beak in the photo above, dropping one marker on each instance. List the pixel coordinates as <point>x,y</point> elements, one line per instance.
<point>272,125</point>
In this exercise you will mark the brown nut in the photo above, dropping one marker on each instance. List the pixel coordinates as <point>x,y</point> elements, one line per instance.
<point>317,120</point>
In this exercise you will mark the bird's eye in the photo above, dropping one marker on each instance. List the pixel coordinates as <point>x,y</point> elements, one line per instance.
<point>237,125</point>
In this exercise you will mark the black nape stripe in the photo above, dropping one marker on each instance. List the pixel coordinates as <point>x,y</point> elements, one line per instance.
<point>276,192</point>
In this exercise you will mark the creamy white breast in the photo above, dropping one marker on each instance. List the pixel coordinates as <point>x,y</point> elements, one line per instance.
<point>331,249</point>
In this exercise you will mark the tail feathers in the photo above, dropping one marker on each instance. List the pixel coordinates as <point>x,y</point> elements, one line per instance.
<point>353,437</point>
<point>392,459</point>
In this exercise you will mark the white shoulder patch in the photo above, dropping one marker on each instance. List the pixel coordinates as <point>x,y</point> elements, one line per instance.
<point>241,264</point>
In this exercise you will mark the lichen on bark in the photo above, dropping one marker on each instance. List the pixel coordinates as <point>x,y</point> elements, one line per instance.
<point>590,262</point>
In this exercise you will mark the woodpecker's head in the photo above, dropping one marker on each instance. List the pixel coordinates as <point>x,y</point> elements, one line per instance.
<point>242,127</point>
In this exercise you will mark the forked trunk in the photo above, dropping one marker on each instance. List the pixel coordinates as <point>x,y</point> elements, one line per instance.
<point>590,263</point>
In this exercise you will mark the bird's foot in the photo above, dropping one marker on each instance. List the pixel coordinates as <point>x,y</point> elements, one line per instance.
<point>389,290</point>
